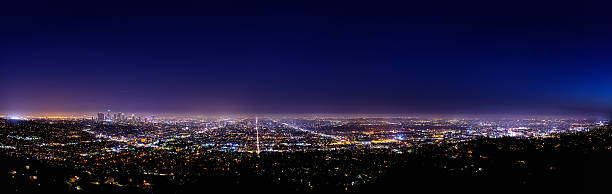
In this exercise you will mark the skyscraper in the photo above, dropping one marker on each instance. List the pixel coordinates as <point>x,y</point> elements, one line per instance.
<point>100,116</point>
<point>120,116</point>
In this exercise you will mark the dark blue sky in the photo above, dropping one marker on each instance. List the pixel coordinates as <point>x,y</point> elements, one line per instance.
<point>306,56</point>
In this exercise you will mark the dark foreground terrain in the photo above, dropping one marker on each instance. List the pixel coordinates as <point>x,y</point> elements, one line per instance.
<point>580,161</point>
<point>571,162</point>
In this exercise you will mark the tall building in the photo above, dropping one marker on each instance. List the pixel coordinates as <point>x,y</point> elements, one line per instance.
<point>120,116</point>
<point>100,116</point>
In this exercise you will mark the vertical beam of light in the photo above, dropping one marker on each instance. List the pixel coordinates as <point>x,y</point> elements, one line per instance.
<point>257,136</point>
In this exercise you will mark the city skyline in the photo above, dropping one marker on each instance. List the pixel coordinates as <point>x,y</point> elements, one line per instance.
<point>125,115</point>
<point>302,96</point>
<point>299,153</point>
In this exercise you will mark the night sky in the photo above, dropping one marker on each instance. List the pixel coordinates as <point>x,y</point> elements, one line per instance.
<point>297,56</point>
